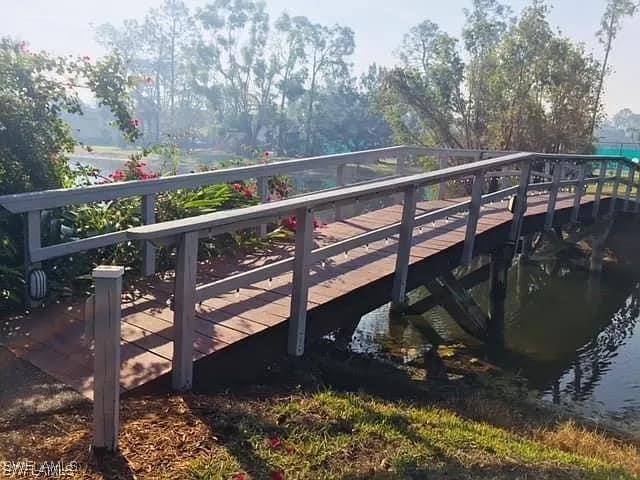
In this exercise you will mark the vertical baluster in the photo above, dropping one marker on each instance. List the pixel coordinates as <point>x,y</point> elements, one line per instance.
<point>616,187</point>
<point>184,311</point>
<point>627,194</point>
<point>577,199</point>
<point>262,187</point>
<point>148,249</point>
<point>553,195</point>
<point>300,291</point>
<point>472,219</point>
<point>520,206</point>
<point>398,291</point>
<point>106,385</point>
<point>601,178</point>
<point>340,182</point>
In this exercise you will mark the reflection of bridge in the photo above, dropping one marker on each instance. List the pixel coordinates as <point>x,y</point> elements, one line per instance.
<point>229,313</point>
<point>592,328</point>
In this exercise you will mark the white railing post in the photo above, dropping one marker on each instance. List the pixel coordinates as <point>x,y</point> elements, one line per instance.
<point>636,207</point>
<point>300,290</point>
<point>616,187</point>
<point>553,195</point>
<point>520,205</point>
<point>399,290</point>
<point>599,187</point>
<point>106,328</point>
<point>340,182</point>
<point>262,188</point>
<point>442,186</point>
<point>184,305</point>
<point>472,218</point>
<point>577,199</point>
<point>627,194</point>
<point>148,249</point>
<point>32,242</point>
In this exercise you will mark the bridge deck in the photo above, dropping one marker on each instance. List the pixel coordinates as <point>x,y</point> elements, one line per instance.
<point>53,338</point>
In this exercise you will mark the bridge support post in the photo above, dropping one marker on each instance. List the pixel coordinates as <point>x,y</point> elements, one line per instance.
<point>472,219</point>
<point>300,291</point>
<point>616,187</point>
<point>399,290</point>
<point>636,207</point>
<point>553,195</point>
<point>184,312</point>
<point>520,208</point>
<point>599,187</point>
<point>106,334</point>
<point>627,194</point>
<point>577,199</point>
<point>148,249</point>
<point>498,293</point>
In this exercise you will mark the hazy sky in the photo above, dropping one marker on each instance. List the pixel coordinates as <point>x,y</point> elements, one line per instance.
<point>66,26</point>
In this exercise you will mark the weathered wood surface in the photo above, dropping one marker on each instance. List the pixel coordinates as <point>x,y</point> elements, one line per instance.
<point>53,338</point>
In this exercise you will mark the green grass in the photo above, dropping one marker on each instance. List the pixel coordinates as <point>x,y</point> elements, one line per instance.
<point>337,416</point>
<point>346,435</point>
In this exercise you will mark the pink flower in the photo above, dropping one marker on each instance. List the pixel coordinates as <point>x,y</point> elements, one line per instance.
<point>277,475</point>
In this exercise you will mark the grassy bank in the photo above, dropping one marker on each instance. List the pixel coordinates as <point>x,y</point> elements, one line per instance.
<point>336,416</point>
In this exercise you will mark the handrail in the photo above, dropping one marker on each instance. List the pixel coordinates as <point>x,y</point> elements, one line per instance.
<point>223,221</point>
<point>33,203</point>
<point>259,213</point>
<point>48,199</point>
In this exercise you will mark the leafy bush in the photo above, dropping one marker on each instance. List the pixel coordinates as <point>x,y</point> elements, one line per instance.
<point>35,90</point>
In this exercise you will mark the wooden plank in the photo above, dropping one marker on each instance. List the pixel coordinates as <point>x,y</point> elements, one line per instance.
<point>184,315</point>
<point>79,245</point>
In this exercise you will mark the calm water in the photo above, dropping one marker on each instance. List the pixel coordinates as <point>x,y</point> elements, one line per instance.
<point>574,336</point>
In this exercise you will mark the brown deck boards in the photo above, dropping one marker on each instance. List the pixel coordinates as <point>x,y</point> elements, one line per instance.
<point>53,338</point>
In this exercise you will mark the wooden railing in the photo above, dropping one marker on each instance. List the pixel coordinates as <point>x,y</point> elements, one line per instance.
<point>187,232</point>
<point>34,203</point>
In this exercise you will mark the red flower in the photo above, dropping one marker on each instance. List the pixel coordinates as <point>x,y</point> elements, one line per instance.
<point>118,176</point>
<point>237,187</point>
<point>277,475</point>
<point>275,443</point>
<point>241,476</point>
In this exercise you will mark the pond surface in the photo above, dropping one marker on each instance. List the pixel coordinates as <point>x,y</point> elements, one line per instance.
<point>575,336</point>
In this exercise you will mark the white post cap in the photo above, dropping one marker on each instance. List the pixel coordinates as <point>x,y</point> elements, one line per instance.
<point>107,271</point>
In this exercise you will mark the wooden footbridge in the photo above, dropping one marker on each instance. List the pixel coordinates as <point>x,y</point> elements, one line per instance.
<point>479,202</point>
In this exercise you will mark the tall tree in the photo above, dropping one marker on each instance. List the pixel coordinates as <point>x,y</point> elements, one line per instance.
<point>610,25</point>
<point>328,48</point>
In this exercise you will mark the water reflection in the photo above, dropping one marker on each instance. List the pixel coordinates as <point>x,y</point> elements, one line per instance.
<point>575,336</point>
